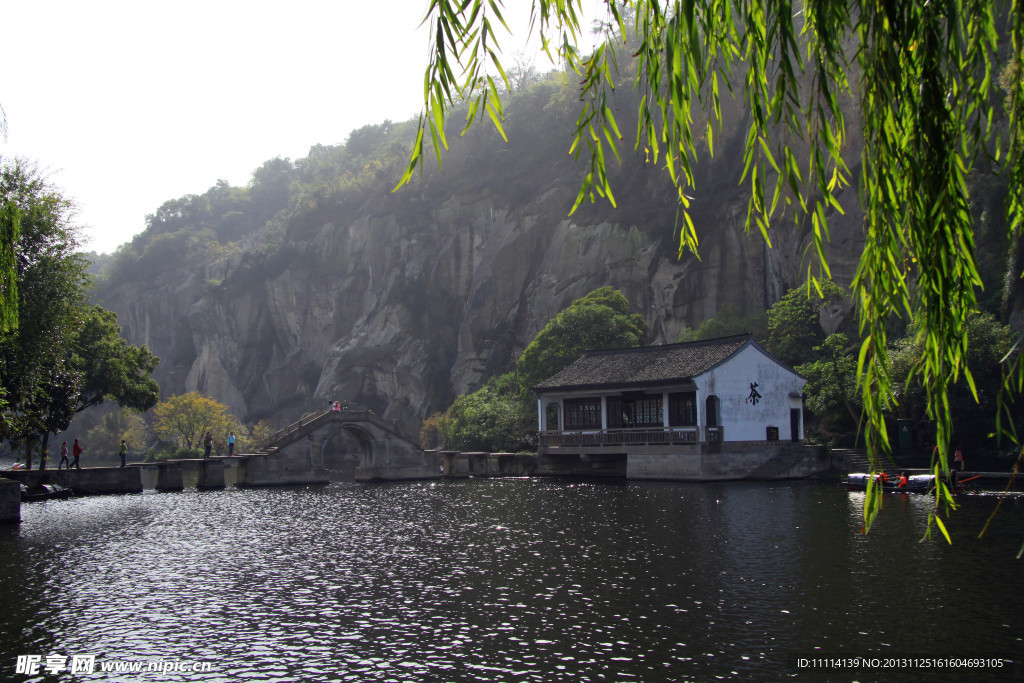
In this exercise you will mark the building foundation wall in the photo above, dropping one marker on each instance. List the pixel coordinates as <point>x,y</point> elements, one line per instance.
<point>731,460</point>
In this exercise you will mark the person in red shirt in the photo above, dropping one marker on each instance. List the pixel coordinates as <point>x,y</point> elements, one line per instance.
<point>902,481</point>
<point>76,452</point>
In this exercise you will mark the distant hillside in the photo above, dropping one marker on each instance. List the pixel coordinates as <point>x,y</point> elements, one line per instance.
<point>316,282</point>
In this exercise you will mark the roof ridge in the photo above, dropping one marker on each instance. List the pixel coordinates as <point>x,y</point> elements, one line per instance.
<point>743,336</point>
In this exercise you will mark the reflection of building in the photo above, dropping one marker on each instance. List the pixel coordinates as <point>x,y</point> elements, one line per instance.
<point>714,409</point>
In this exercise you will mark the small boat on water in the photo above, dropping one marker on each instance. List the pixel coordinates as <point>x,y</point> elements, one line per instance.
<point>44,492</point>
<point>916,483</point>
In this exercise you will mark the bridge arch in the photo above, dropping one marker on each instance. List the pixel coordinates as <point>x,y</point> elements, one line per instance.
<point>387,453</point>
<point>359,436</point>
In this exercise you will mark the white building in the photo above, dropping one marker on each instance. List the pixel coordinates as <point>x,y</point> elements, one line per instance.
<point>715,409</point>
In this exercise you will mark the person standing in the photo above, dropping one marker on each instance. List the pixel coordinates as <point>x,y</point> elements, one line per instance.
<point>207,445</point>
<point>231,443</point>
<point>76,453</point>
<point>958,457</point>
<point>64,456</point>
<point>123,452</point>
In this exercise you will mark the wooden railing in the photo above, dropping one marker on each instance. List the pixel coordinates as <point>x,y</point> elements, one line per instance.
<point>647,436</point>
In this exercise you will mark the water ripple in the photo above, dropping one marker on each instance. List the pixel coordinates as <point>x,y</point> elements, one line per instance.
<point>490,580</point>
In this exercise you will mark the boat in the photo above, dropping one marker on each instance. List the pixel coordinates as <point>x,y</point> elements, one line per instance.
<point>44,492</point>
<point>916,483</point>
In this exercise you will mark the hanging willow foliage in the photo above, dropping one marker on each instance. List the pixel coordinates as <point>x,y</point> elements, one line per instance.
<point>925,78</point>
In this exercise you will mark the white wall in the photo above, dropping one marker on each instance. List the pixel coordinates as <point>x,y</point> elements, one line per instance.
<point>741,419</point>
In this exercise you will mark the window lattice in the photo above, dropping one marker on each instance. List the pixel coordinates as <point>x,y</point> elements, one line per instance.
<point>584,413</point>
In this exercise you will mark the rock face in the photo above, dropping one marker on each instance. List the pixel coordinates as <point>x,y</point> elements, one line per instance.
<point>412,298</point>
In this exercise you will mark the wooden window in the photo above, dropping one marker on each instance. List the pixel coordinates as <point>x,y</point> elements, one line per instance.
<point>649,411</point>
<point>682,409</point>
<point>583,413</point>
<point>635,411</point>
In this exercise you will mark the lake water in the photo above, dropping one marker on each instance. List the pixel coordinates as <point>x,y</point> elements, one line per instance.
<point>510,579</point>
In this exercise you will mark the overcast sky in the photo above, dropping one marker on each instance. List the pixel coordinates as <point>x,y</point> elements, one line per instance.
<point>129,104</point>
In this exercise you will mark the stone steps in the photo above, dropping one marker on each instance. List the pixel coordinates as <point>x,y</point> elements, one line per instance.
<point>856,460</point>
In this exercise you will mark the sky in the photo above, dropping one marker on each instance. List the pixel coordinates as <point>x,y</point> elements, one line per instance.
<point>126,105</point>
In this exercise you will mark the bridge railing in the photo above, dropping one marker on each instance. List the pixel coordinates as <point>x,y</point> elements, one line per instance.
<point>291,429</point>
<point>354,415</point>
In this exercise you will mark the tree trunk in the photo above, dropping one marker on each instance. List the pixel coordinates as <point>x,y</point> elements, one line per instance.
<point>28,454</point>
<point>43,452</point>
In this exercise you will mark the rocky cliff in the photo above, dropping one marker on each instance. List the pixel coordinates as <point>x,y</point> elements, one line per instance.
<point>401,301</point>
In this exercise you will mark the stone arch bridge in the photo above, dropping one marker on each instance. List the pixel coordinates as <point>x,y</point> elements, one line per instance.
<point>295,454</point>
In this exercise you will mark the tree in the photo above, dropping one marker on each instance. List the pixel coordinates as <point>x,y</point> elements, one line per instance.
<point>794,322</point>
<point>831,391</point>
<point>111,368</point>
<point>501,415</point>
<point>63,355</point>
<point>599,320</point>
<point>727,322</point>
<point>36,371</point>
<point>10,228</point>
<point>124,423</point>
<point>183,420</point>
<point>974,404</point>
<point>924,76</point>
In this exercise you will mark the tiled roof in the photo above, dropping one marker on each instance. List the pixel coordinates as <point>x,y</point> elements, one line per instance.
<point>645,365</point>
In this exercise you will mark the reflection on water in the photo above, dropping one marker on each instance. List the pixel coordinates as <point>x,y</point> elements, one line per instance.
<point>513,578</point>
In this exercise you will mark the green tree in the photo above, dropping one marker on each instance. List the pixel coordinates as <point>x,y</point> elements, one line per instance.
<point>924,76</point>
<point>972,403</point>
<point>599,320</point>
<point>502,415</point>
<point>10,228</point>
<point>726,323</point>
<point>794,322</point>
<point>831,392</point>
<point>498,417</point>
<point>36,370</point>
<point>185,419</point>
<point>111,368</point>
<point>123,423</point>
<point>63,355</point>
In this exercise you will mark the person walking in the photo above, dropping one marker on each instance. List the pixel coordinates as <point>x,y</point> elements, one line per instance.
<point>123,452</point>
<point>64,456</point>
<point>231,443</point>
<point>207,445</point>
<point>76,453</point>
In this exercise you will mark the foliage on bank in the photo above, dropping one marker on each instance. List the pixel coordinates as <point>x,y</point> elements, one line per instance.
<point>181,423</point>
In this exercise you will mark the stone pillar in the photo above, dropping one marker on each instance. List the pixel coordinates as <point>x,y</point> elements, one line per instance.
<point>169,477</point>
<point>10,501</point>
<point>211,475</point>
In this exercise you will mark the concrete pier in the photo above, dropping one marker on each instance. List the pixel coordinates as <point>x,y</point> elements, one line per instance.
<point>211,475</point>
<point>10,501</point>
<point>207,475</point>
<point>169,477</point>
